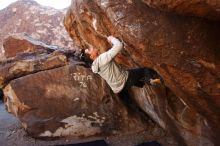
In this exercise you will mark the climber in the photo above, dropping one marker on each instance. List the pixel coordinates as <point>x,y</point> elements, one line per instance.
<point>118,78</point>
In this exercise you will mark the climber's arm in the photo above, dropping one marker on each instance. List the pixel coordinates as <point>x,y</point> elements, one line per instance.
<point>111,53</point>
<point>117,47</point>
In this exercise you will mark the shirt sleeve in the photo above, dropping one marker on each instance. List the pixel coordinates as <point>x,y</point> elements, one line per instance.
<point>106,57</point>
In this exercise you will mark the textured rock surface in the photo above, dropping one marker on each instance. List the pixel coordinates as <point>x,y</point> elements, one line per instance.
<point>42,23</point>
<point>203,8</point>
<point>26,56</point>
<point>183,50</point>
<point>64,103</point>
<point>22,43</point>
<point>54,95</point>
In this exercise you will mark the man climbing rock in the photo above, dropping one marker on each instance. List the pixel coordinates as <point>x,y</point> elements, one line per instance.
<point>119,79</point>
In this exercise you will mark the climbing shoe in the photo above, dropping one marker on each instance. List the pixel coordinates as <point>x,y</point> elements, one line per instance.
<point>155,81</point>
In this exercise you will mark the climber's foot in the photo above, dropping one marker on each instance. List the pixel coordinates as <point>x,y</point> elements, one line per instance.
<point>155,81</point>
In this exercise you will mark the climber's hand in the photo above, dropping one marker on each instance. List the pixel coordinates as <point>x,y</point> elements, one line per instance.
<point>155,81</point>
<point>109,38</point>
<point>87,51</point>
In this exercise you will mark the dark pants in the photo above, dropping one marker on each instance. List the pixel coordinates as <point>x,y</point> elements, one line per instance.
<point>137,77</point>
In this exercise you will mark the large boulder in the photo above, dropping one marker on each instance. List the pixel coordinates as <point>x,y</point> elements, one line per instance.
<point>63,102</point>
<point>40,22</point>
<point>54,94</point>
<point>183,50</point>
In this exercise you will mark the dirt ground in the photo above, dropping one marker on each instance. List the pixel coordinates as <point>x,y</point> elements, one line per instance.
<point>12,134</point>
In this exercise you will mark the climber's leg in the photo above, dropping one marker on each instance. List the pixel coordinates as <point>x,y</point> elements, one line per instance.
<point>134,76</point>
<point>125,97</point>
<point>138,77</point>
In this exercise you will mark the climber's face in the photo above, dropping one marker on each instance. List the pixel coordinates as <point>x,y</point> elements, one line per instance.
<point>93,53</point>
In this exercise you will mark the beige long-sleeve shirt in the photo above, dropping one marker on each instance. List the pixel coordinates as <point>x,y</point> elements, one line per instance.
<point>109,70</point>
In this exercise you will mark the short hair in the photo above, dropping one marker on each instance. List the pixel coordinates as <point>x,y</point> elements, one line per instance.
<point>1,94</point>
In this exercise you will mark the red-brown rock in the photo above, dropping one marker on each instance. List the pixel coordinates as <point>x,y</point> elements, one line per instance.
<point>32,64</point>
<point>64,102</point>
<point>202,8</point>
<point>54,95</point>
<point>183,50</point>
<point>22,43</point>
<point>27,56</point>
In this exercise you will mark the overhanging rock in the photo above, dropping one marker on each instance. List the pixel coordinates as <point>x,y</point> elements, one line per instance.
<point>183,50</point>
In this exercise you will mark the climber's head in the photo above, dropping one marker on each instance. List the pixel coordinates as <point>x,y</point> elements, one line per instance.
<point>1,94</point>
<point>93,53</point>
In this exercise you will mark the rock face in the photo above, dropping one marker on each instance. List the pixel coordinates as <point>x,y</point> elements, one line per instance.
<point>183,50</point>
<point>64,103</point>
<point>54,95</point>
<point>42,23</point>
<point>26,45</point>
<point>205,8</point>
